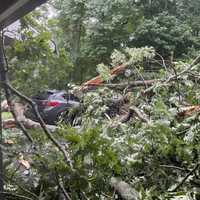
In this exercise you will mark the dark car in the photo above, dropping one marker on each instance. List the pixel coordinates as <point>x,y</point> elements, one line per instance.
<point>55,106</point>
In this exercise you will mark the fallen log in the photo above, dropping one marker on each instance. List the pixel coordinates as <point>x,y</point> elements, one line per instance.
<point>29,124</point>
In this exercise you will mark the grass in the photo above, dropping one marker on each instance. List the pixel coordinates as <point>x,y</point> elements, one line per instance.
<point>6,115</point>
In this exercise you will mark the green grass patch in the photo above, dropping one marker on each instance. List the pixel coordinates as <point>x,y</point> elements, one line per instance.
<point>6,115</point>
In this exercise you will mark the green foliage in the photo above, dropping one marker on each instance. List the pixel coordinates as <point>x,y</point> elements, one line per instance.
<point>154,156</point>
<point>166,34</point>
<point>86,32</point>
<point>104,72</point>
<point>91,29</point>
<point>36,66</point>
<point>131,56</point>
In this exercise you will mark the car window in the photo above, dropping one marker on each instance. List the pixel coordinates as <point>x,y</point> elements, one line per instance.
<point>44,95</point>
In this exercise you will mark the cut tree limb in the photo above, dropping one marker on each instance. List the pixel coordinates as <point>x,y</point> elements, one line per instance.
<point>98,80</point>
<point>129,84</point>
<point>29,124</point>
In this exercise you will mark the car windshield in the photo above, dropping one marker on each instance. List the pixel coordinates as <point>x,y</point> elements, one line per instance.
<point>43,95</point>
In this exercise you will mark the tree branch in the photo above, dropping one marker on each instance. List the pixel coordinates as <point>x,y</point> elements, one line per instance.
<point>16,195</point>
<point>64,191</point>
<point>124,85</point>
<point>140,115</point>
<point>186,177</point>
<point>42,124</point>
<point>176,76</point>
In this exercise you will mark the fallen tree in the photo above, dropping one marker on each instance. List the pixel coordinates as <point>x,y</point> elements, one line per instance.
<point>154,152</point>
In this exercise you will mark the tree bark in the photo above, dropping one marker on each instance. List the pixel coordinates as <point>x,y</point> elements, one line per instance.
<point>2,64</point>
<point>29,124</point>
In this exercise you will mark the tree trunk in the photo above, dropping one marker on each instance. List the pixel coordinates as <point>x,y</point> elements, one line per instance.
<point>2,64</point>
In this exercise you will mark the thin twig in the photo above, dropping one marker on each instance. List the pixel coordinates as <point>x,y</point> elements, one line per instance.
<point>173,167</point>
<point>16,195</point>
<point>163,61</point>
<point>189,68</point>
<point>173,77</point>
<point>186,177</point>
<point>64,191</point>
<point>107,116</point>
<point>141,76</point>
<point>195,75</point>
<point>7,179</point>
<point>114,192</point>
<point>177,81</point>
<point>84,195</point>
<point>60,184</point>
<point>139,114</point>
